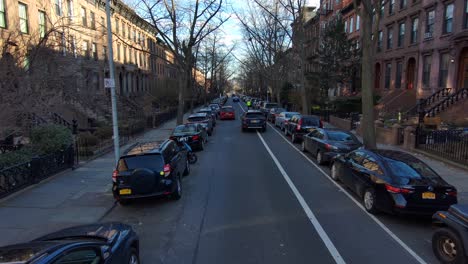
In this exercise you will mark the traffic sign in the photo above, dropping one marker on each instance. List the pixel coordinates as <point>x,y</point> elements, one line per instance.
<point>109,83</point>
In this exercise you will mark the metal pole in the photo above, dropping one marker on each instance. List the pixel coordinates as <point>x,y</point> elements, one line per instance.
<point>115,124</point>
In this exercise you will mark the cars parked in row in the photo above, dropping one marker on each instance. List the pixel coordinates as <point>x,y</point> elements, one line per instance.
<point>102,243</point>
<point>283,118</point>
<point>253,119</point>
<point>210,113</point>
<point>194,134</point>
<point>204,119</point>
<point>299,125</point>
<point>266,106</point>
<point>273,113</point>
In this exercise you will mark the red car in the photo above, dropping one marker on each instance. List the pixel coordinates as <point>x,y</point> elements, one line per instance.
<point>227,112</point>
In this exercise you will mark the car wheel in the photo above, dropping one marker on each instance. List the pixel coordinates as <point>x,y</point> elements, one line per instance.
<point>293,138</point>
<point>187,168</point>
<point>264,129</point>
<point>134,258</point>
<point>334,172</point>
<point>303,148</point>
<point>177,194</point>
<point>285,131</point>
<point>447,246</point>
<point>125,202</point>
<point>202,145</point>
<point>370,201</point>
<point>320,158</point>
<point>210,133</point>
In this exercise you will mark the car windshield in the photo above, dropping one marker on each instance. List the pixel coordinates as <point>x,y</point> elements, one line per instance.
<point>254,115</point>
<point>196,119</point>
<point>152,161</point>
<point>310,121</point>
<point>410,169</point>
<point>185,129</point>
<point>227,110</point>
<point>341,136</point>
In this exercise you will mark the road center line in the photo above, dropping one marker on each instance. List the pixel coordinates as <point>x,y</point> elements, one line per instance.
<point>376,220</point>
<point>318,227</point>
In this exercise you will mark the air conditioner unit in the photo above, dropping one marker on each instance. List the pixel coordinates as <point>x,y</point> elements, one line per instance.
<point>428,35</point>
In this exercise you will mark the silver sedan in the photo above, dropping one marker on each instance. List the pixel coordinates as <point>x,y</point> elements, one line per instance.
<point>283,118</point>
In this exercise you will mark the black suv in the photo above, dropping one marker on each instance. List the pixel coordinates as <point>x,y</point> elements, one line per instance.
<point>299,125</point>
<point>150,169</point>
<point>253,119</point>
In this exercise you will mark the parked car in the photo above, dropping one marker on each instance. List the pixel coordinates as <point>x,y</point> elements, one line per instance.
<point>103,243</point>
<point>283,118</point>
<point>150,169</point>
<point>393,182</point>
<point>194,134</point>
<point>204,119</point>
<point>209,112</point>
<point>326,143</point>
<point>227,112</point>
<point>253,119</point>
<point>299,125</point>
<point>273,113</point>
<point>450,239</point>
<point>215,108</point>
<point>266,106</point>
<point>235,99</point>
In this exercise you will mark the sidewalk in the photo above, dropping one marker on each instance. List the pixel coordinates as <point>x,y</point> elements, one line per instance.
<point>69,198</point>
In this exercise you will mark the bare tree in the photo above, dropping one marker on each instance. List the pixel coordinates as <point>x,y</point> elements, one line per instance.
<point>182,26</point>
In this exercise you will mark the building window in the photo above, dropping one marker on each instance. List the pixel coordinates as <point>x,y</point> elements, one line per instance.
<point>83,17</point>
<point>23,17</point>
<point>426,71</point>
<point>401,34</point>
<point>104,52</point>
<point>399,69</point>
<point>125,54</point>
<point>358,22</point>
<point>382,8</point>
<point>70,13</point>
<point>73,46</point>
<point>448,18</point>
<point>85,49</point>
<point>403,4</point>
<point>430,24</point>
<point>346,26</point>
<point>414,30</point>
<point>58,7</point>
<point>391,7</point>
<point>103,24</point>
<point>388,75</point>
<point>118,51</point>
<point>129,32</point>
<point>379,41</point>
<point>92,20</point>
<point>358,44</point>
<point>351,25</point>
<point>390,38</point>
<point>466,14</point>
<point>94,50</point>
<point>3,23</point>
<point>443,69</point>
<point>62,44</point>
<point>42,24</point>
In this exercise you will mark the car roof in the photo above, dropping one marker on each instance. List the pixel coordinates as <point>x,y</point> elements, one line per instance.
<point>254,111</point>
<point>228,106</point>
<point>205,109</point>
<point>198,115</point>
<point>395,155</point>
<point>140,148</point>
<point>334,129</point>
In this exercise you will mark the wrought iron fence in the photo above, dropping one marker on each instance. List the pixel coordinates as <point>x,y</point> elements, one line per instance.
<point>353,116</point>
<point>22,175</point>
<point>88,148</point>
<point>450,144</point>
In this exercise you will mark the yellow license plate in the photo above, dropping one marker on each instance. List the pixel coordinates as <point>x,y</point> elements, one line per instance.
<point>428,195</point>
<point>125,191</point>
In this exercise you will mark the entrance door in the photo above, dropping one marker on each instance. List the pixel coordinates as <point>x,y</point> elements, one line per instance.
<point>463,69</point>
<point>410,73</point>
<point>377,76</point>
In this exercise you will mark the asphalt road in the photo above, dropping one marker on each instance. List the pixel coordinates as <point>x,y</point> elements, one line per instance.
<point>254,198</point>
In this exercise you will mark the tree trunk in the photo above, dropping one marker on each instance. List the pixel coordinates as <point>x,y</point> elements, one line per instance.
<point>305,103</point>
<point>367,122</point>
<point>180,106</point>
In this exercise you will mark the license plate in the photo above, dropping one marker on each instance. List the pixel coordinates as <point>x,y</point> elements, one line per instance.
<point>255,121</point>
<point>428,195</point>
<point>311,129</point>
<point>125,191</point>
<point>181,139</point>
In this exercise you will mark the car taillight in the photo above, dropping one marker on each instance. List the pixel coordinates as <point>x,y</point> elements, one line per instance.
<point>114,175</point>
<point>321,124</point>
<point>451,193</point>
<point>172,138</point>
<point>330,147</point>
<point>167,170</point>
<point>299,125</point>
<point>196,137</point>
<point>393,189</point>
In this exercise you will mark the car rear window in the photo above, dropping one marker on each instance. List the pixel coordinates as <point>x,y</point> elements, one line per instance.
<point>254,115</point>
<point>280,110</point>
<point>185,129</point>
<point>341,136</point>
<point>196,119</point>
<point>152,162</point>
<point>271,105</point>
<point>410,169</point>
<point>310,121</point>
<point>289,115</point>
<point>227,110</point>
<point>205,111</point>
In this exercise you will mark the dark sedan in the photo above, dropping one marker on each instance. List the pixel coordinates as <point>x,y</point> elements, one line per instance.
<point>193,134</point>
<point>103,243</point>
<point>253,119</point>
<point>393,182</point>
<point>326,143</point>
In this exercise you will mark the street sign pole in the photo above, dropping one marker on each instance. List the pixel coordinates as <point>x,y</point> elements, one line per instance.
<point>111,83</point>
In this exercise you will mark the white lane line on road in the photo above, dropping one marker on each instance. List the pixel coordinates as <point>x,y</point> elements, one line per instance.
<point>376,220</point>
<point>318,227</point>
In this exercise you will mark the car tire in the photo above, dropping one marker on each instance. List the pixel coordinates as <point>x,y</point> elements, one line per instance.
<point>448,247</point>
<point>177,194</point>
<point>264,129</point>
<point>134,258</point>
<point>369,201</point>
<point>334,172</point>
<point>187,168</point>
<point>293,138</point>
<point>210,133</point>
<point>319,158</point>
<point>303,148</point>
<point>286,132</point>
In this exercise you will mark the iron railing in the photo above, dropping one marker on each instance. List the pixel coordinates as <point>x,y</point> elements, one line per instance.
<point>449,144</point>
<point>22,175</point>
<point>447,102</point>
